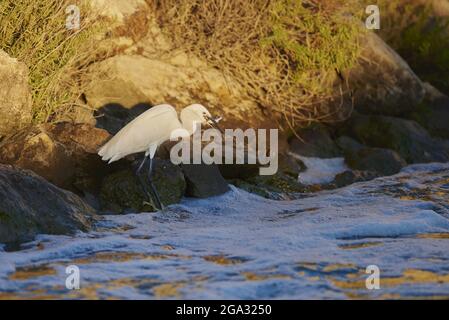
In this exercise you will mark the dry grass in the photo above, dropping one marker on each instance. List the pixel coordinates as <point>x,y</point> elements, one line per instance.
<point>286,53</point>
<point>35,33</point>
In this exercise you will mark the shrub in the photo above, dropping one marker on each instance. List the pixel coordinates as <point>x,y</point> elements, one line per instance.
<point>420,37</point>
<point>284,52</point>
<point>35,33</point>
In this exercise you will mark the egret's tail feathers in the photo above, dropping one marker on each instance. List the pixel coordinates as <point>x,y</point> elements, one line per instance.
<point>106,155</point>
<point>102,150</point>
<point>115,158</point>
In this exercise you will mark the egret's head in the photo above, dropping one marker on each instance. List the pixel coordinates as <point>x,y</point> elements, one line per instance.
<point>198,114</point>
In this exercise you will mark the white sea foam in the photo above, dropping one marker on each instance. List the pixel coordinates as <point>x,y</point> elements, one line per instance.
<point>289,249</point>
<point>320,171</point>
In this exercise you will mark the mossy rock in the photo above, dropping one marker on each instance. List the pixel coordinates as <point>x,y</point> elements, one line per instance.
<point>122,191</point>
<point>352,176</point>
<point>406,137</point>
<point>434,116</point>
<point>30,205</point>
<point>280,186</point>
<point>383,161</point>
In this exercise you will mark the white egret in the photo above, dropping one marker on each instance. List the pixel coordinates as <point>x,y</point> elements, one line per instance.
<point>151,129</point>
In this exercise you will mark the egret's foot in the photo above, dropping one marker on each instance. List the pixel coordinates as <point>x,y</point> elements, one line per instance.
<point>149,202</point>
<point>159,204</point>
<point>153,205</point>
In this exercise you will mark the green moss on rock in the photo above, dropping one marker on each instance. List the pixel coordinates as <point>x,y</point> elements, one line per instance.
<point>280,186</point>
<point>406,137</point>
<point>121,191</point>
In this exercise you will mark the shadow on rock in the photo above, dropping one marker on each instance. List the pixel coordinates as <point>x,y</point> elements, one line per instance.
<point>30,205</point>
<point>113,116</point>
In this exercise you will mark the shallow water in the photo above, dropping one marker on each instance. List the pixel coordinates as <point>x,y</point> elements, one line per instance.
<point>242,246</point>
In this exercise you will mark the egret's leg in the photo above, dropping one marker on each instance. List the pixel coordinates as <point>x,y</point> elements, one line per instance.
<point>142,182</point>
<point>156,194</point>
<point>141,165</point>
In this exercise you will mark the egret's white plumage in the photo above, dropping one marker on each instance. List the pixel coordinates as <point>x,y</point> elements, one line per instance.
<point>152,128</point>
<point>148,131</point>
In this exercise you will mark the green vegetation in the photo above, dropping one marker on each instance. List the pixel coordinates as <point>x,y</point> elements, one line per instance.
<point>310,41</point>
<point>284,52</point>
<point>420,37</point>
<point>35,33</point>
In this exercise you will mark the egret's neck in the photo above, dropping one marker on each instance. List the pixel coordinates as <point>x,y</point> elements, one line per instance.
<point>190,126</point>
<point>189,121</point>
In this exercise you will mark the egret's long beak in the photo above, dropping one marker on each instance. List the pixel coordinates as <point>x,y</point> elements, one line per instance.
<point>213,122</point>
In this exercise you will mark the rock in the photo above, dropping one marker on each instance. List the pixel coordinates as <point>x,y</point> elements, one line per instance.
<point>15,95</point>
<point>360,157</point>
<point>64,153</point>
<point>440,7</point>
<point>30,205</point>
<point>316,142</point>
<point>117,9</point>
<point>347,144</point>
<point>434,116</point>
<point>238,171</point>
<point>279,186</point>
<point>349,177</point>
<point>290,165</point>
<point>113,117</point>
<point>122,192</point>
<point>383,161</point>
<point>406,137</point>
<point>80,114</point>
<point>176,78</point>
<point>204,180</point>
<point>432,93</point>
<point>383,82</point>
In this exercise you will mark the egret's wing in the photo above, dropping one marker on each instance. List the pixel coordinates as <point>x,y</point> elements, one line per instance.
<point>152,126</point>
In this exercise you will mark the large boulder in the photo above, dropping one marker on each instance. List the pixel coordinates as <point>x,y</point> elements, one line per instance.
<point>383,82</point>
<point>29,205</point>
<point>64,153</point>
<point>122,191</point>
<point>177,78</point>
<point>15,95</point>
<point>406,137</point>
